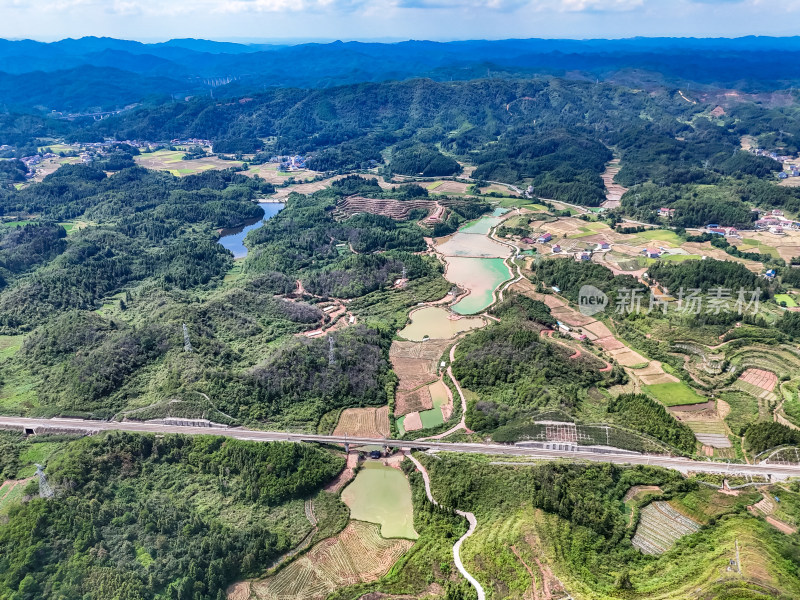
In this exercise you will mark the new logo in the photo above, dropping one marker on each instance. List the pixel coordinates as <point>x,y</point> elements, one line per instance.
<point>591,300</point>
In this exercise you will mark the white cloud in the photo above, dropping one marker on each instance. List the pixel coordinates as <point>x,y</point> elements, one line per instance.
<point>536,5</point>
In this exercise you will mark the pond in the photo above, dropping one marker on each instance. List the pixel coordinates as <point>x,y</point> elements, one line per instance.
<point>484,224</point>
<point>437,323</point>
<point>233,239</point>
<point>481,276</point>
<point>382,495</point>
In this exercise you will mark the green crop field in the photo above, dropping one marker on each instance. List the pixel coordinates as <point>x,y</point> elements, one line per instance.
<point>660,235</point>
<point>790,302</point>
<point>674,394</point>
<point>680,257</point>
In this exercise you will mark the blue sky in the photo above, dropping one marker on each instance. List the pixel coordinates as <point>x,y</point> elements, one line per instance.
<point>153,20</point>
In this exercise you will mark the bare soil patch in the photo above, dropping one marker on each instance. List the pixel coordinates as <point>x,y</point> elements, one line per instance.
<point>412,422</point>
<point>239,591</point>
<point>413,401</point>
<point>451,187</point>
<point>416,363</point>
<point>346,475</point>
<point>639,489</point>
<point>760,378</point>
<point>394,209</point>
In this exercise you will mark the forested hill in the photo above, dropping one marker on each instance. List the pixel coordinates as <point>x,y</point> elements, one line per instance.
<point>552,133</point>
<point>30,71</point>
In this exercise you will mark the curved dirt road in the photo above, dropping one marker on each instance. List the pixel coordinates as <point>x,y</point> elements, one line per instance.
<point>473,524</point>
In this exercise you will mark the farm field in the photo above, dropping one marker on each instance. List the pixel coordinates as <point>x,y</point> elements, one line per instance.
<point>416,365</point>
<point>10,345</point>
<point>760,378</point>
<point>382,495</point>
<point>357,554</point>
<point>364,422</point>
<point>434,322</point>
<point>172,161</point>
<point>414,420</point>
<point>657,235</point>
<point>674,394</point>
<point>660,526</point>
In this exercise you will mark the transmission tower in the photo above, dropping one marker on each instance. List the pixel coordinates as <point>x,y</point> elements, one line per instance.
<point>45,491</point>
<point>187,344</point>
<point>331,360</point>
<point>404,272</point>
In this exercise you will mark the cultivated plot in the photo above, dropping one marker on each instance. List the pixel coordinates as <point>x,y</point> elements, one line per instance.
<point>660,526</point>
<point>366,422</point>
<point>358,554</point>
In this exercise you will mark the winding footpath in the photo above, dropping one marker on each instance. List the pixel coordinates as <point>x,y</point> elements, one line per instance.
<point>473,524</point>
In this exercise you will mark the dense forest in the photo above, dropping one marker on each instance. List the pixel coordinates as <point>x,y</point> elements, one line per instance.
<point>707,276</point>
<point>104,306</point>
<point>516,373</point>
<point>129,524</point>
<point>569,276</point>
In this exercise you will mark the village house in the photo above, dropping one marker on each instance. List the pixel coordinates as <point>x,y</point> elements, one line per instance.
<point>556,249</point>
<point>544,238</point>
<point>666,212</point>
<point>652,253</point>
<point>731,231</point>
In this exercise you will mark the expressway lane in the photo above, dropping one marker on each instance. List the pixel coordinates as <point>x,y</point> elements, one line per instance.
<point>684,465</point>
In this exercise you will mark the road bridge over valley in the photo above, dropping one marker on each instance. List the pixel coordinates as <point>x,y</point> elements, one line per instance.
<point>557,452</point>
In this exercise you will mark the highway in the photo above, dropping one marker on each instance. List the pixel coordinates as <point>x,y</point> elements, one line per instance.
<point>775,472</point>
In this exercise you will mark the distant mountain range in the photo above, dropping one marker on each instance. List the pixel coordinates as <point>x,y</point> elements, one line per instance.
<point>95,74</point>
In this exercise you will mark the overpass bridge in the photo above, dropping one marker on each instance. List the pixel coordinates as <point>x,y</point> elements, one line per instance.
<point>567,452</point>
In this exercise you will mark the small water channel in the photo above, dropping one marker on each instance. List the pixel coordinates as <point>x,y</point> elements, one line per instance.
<point>233,239</point>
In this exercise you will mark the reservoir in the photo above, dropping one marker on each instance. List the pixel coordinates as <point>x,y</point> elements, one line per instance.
<point>233,239</point>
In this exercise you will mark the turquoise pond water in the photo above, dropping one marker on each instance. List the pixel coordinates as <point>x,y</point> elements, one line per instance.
<point>481,276</point>
<point>484,224</point>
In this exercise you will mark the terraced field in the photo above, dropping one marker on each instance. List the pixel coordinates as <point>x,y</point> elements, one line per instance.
<point>394,209</point>
<point>781,360</point>
<point>357,554</point>
<point>660,527</point>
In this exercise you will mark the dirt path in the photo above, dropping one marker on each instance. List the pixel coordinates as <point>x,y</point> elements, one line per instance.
<point>473,524</point>
<point>530,571</point>
<point>10,484</point>
<point>764,508</point>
